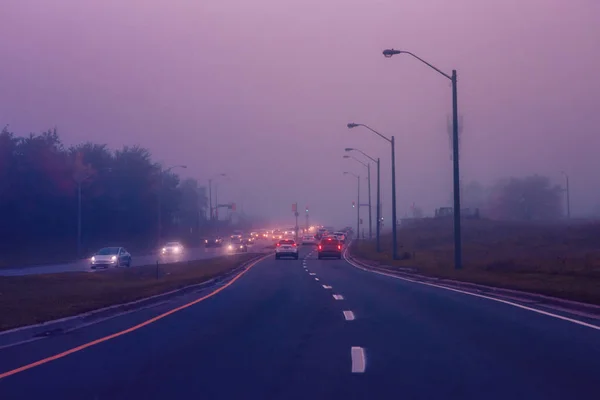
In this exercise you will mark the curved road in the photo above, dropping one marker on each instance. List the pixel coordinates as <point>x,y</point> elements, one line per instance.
<point>327,331</point>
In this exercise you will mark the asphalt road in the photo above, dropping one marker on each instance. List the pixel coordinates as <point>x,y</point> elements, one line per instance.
<point>190,254</point>
<point>278,332</point>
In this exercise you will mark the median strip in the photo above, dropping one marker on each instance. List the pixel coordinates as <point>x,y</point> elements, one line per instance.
<point>34,299</point>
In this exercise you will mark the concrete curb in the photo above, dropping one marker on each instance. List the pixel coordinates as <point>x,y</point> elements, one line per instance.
<point>29,333</point>
<point>529,297</point>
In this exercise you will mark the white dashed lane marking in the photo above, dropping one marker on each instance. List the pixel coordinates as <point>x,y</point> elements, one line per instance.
<point>338,297</point>
<point>359,361</point>
<point>349,315</point>
<point>326,287</point>
<point>312,274</point>
<point>317,279</point>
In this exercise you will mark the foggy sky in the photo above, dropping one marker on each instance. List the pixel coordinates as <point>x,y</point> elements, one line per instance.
<point>262,90</point>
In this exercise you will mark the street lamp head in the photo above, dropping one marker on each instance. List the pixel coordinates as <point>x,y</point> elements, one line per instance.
<point>387,53</point>
<point>352,125</point>
<point>348,149</point>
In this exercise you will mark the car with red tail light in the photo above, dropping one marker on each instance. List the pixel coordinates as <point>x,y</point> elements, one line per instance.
<point>286,248</point>
<point>330,246</point>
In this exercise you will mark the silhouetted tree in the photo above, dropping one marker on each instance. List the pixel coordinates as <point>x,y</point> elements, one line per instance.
<point>530,198</point>
<point>39,182</point>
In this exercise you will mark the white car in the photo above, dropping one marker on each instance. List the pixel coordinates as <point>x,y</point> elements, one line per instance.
<point>110,257</point>
<point>309,239</point>
<point>286,248</point>
<point>172,248</point>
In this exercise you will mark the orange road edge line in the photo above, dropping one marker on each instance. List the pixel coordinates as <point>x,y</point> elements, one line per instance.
<point>125,331</point>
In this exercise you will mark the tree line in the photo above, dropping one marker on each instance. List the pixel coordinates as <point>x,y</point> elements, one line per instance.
<point>529,198</point>
<point>42,181</point>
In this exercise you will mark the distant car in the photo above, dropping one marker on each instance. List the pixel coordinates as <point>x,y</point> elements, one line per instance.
<point>237,235</point>
<point>320,233</point>
<point>286,248</point>
<point>110,257</point>
<point>277,235</point>
<point>309,240</point>
<point>237,247</point>
<point>341,236</point>
<point>216,241</point>
<point>172,248</point>
<point>248,240</point>
<point>329,247</point>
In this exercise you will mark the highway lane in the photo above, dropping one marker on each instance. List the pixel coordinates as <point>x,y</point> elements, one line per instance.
<point>192,253</point>
<point>279,333</point>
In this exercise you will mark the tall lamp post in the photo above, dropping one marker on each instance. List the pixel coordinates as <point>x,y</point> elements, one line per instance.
<point>568,194</point>
<point>456,175</point>
<point>162,175</point>
<point>210,206</point>
<point>368,166</point>
<point>378,202</point>
<point>391,141</point>
<point>357,203</point>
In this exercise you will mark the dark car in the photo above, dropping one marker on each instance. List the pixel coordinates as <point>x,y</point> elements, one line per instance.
<point>236,246</point>
<point>215,241</point>
<point>330,247</point>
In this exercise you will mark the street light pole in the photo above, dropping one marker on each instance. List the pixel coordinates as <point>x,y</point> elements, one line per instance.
<point>210,208</point>
<point>378,202</point>
<point>568,195</point>
<point>368,167</point>
<point>369,190</point>
<point>394,221</point>
<point>357,203</point>
<point>78,218</point>
<point>378,226</point>
<point>455,162</point>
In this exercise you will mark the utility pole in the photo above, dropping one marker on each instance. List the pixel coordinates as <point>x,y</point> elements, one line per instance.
<point>394,220</point>
<point>296,214</point>
<point>306,216</point>
<point>378,208</point>
<point>210,207</point>
<point>370,208</point>
<point>568,193</point>
<point>358,209</point>
<point>456,175</point>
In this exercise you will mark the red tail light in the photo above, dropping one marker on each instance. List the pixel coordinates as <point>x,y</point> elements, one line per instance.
<point>320,248</point>
<point>294,245</point>
<point>339,247</point>
<point>278,244</point>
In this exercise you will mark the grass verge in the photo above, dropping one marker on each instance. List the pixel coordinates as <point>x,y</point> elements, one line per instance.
<point>26,300</point>
<point>560,260</point>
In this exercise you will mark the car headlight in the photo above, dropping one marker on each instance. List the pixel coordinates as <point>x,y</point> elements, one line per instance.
<point>93,258</point>
<point>164,249</point>
<point>230,247</point>
<point>113,258</point>
<point>206,241</point>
